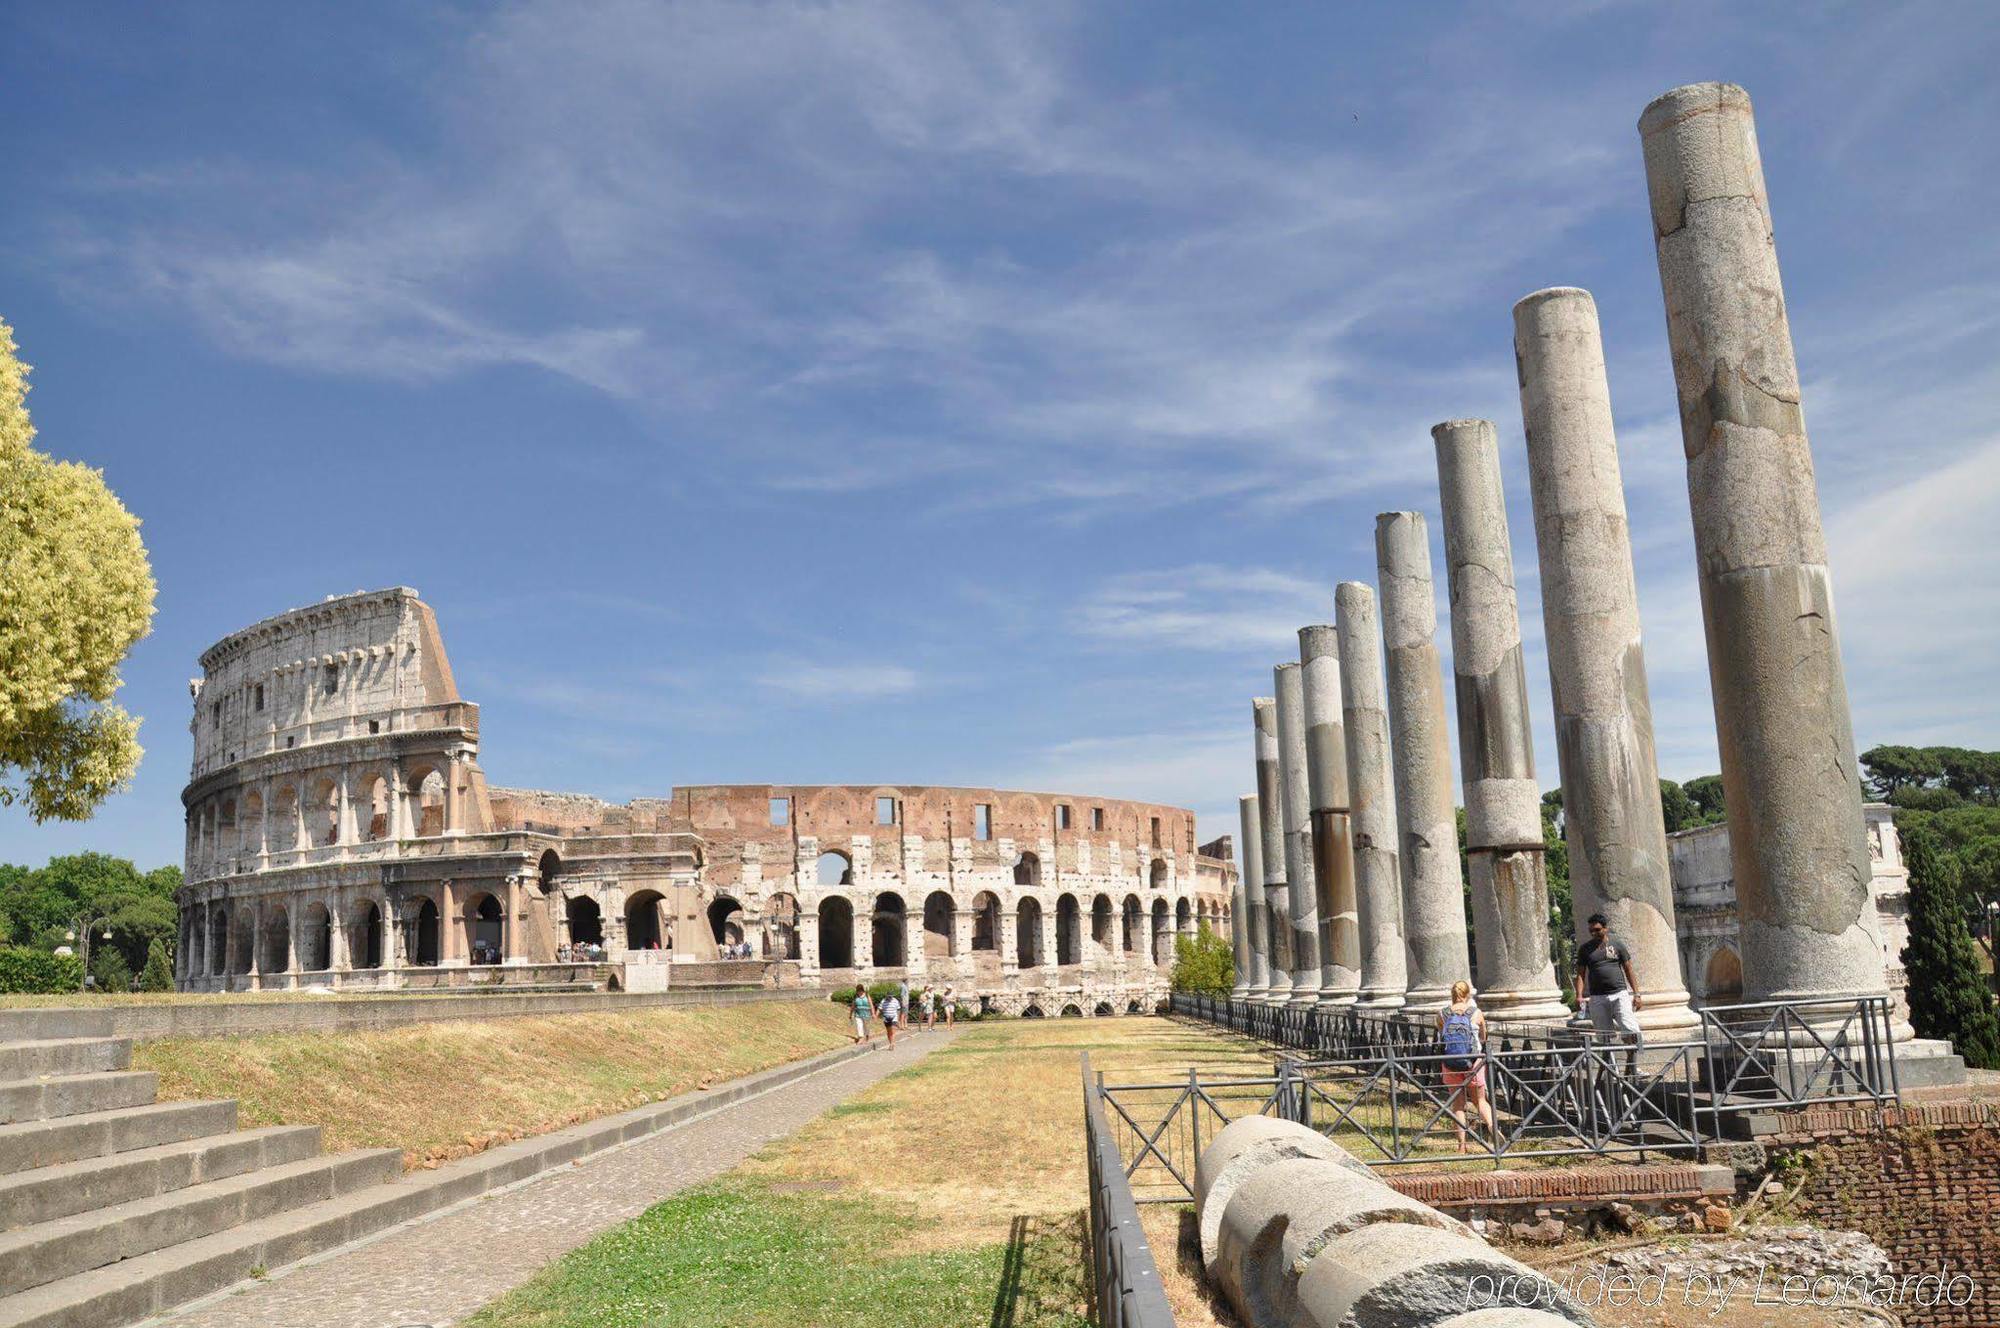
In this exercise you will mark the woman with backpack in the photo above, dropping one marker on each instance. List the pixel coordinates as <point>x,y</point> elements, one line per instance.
<point>1462,1035</point>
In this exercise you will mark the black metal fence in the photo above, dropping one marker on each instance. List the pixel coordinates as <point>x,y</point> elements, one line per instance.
<point>1125,1282</point>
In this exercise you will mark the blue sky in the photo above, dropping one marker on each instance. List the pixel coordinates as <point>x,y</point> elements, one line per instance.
<point>950,394</point>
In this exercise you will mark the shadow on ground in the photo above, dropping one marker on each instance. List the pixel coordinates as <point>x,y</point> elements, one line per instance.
<point>1044,1282</point>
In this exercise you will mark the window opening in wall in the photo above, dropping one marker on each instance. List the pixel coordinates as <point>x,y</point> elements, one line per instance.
<point>215,715</point>
<point>885,811</point>
<point>260,696</point>
<point>1097,818</point>
<point>1062,816</point>
<point>331,681</point>
<point>781,811</point>
<point>1156,832</point>
<point>982,820</point>
<point>374,726</point>
<point>290,741</point>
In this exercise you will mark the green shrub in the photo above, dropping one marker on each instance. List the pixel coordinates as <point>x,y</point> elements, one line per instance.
<point>38,972</point>
<point>876,991</point>
<point>108,966</point>
<point>1203,963</point>
<point>159,970</point>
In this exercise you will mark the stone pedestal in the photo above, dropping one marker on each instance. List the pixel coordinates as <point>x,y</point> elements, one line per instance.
<point>1797,837</point>
<point>1427,824</point>
<point>1296,811</point>
<point>1371,799</point>
<point>1331,841</point>
<point>1597,671</point>
<point>1503,811</point>
<point>1271,839</point>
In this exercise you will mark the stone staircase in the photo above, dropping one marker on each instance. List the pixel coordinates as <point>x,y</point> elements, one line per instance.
<point>114,1206</point>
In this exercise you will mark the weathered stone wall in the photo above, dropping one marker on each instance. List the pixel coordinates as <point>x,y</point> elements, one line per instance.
<point>1926,1189</point>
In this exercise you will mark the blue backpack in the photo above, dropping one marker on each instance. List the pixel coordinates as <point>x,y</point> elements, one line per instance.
<point>1461,1040</point>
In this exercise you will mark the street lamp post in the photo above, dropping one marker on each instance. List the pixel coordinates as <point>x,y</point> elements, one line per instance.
<point>79,931</point>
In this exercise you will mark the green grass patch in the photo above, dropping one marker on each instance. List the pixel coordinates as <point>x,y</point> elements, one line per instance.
<point>733,1253</point>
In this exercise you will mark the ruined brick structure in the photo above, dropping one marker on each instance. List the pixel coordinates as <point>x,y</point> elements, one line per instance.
<point>340,833</point>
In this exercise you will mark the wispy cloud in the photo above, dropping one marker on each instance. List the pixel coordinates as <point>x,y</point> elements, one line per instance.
<point>829,682</point>
<point>1206,608</point>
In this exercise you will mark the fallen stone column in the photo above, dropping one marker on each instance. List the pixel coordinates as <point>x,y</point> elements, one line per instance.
<point>1271,837</point>
<point>1296,810</point>
<point>1797,835</point>
<point>1597,671</point>
<point>1330,834</point>
<point>1239,1151</point>
<point>1427,824</point>
<point>1371,811</point>
<point>1417,1277</point>
<point>1503,802</point>
<point>1246,933</point>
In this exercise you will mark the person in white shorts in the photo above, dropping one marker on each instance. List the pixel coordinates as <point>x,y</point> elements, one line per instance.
<point>1607,988</point>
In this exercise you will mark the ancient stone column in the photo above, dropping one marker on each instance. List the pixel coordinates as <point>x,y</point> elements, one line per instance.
<point>1797,838</point>
<point>1330,842</point>
<point>1597,671</point>
<point>1252,981</point>
<point>1371,811</point>
<point>1296,811</point>
<point>1503,802</point>
<point>1271,839</point>
<point>1427,825</point>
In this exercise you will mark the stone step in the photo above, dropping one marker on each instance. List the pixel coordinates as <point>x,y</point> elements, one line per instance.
<point>75,1094</point>
<point>39,1056</point>
<point>45,1143</point>
<point>56,1021</point>
<point>49,1193</point>
<point>35,1255</point>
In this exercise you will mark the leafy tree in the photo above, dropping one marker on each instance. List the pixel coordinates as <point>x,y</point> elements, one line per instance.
<point>1925,799</point>
<point>41,906</point>
<point>78,594</point>
<point>159,971</point>
<point>1203,963</point>
<point>1892,769</point>
<point>108,966</point>
<point>1678,809</point>
<point>1706,794</point>
<point>1949,996</point>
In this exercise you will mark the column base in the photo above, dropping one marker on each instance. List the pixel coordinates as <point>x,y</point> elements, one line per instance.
<point>1303,998</point>
<point>1380,999</point>
<point>1524,1007</point>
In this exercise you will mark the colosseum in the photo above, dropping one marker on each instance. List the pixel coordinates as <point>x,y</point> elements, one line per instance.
<point>340,833</point>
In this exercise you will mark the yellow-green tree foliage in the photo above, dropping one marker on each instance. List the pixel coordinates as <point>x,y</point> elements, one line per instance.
<point>75,593</point>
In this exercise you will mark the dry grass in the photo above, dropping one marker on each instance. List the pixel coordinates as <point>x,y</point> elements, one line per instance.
<point>443,1090</point>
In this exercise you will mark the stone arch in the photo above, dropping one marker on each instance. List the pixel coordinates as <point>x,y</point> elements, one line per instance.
<point>1162,947</point>
<point>1723,983</point>
<point>725,921</point>
<point>940,917</point>
<point>1028,933</point>
<point>1027,870</point>
<point>251,824</point>
<point>315,938</point>
<point>426,939</point>
<point>277,956</point>
<point>549,867</point>
<point>485,929</point>
<point>218,940</point>
<point>1157,874</point>
<point>1069,931</point>
<point>887,935</point>
<point>243,939</point>
<point>585,919</point>
<point>323,812</point>
<point>781,926</point>
<point>985,921</point>
<point>1103,1008</point>
<point>833,868</point>
<point>1134,1006</point>
<point>223,844</point>
<point>1134,923</point>
<point>426,800</point>
<point>643,927</point>
<point>1182,918</point>
<point>285,816</point>
<point>1071,1010</point>
<point>364,936</point>
<point>1032,1011</point>
<point>836,932</point>
<point>371,807</point>
<point>1101,914</point>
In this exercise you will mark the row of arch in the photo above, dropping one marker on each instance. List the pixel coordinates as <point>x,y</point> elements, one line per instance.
<point>307,812</point>
<point>1113,928</point>
<point>835,867</point>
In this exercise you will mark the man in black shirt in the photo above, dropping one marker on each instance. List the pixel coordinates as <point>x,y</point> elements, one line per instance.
<point>1607,989</point>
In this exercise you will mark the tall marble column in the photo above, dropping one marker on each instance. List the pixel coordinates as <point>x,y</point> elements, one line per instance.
<point>1597,671</point>
<point>1252,980</point>
<point>1371,812</point>
<point>1427,824</point>
<point>1798,842</point>
<point>1503,801</point>
<point>1271,838</point>
<point>1295,809</point>
<point>1330,843</point>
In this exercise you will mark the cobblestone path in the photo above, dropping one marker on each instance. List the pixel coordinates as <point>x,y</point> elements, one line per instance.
<point>438,1270</point>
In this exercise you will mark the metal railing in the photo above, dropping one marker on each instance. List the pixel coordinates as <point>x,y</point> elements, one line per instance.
<point>1124,1282</point>
<point>1782,1055</point>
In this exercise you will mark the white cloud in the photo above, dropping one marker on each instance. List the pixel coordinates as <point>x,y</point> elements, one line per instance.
<point>1206,608</point>
<point>838,682</point>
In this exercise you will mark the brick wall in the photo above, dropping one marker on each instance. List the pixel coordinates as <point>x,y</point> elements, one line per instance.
<point>1926,1189</point>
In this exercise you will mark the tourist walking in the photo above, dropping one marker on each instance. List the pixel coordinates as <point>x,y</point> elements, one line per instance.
<point>950,1006</point>
<point>927,1006</point>
<point>863,1008</point>
<point>892,1015</point>
<point>1608,990</point>
<point>1462,1035</point>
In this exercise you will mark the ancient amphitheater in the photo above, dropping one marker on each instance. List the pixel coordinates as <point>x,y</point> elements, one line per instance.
<point>341,833</point>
